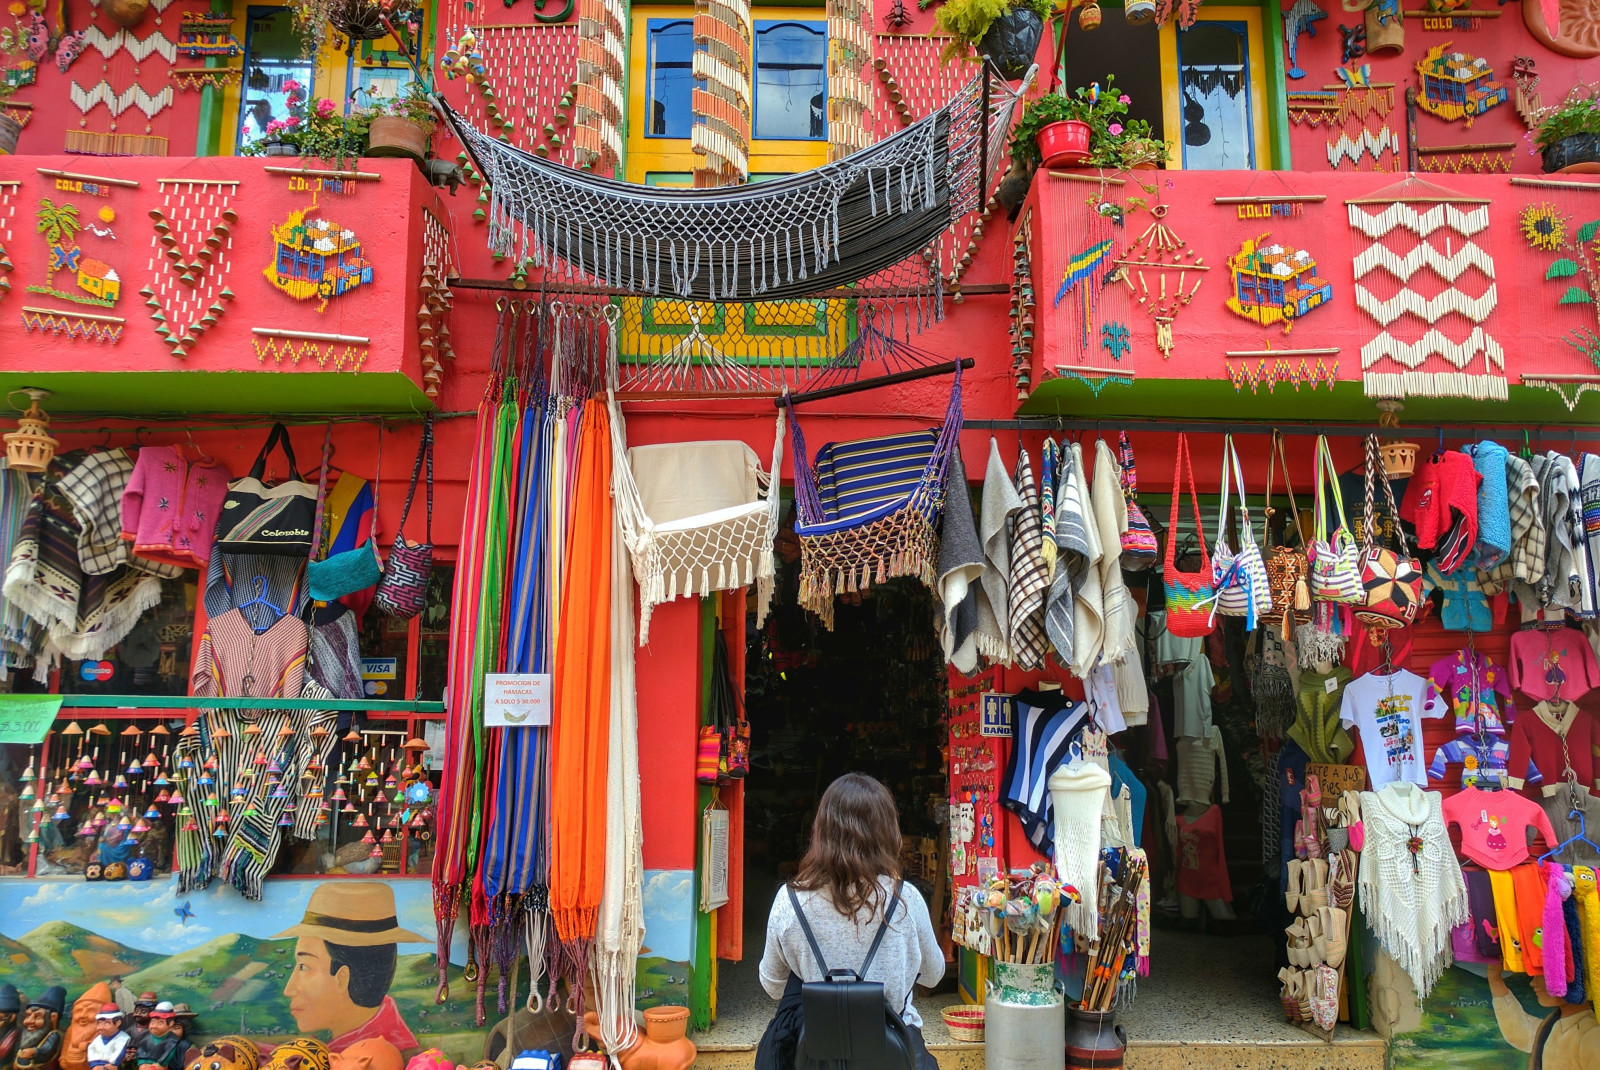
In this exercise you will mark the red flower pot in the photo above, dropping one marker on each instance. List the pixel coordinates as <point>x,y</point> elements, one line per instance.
<point>1064,144</point>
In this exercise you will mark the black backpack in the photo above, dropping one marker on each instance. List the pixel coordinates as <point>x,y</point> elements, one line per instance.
<point>848,1024</point>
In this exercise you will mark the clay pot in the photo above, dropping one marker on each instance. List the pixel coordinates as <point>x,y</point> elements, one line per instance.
<point>1094,1040</point>
<point>1384,40</point>
<point>126,13</point>
<point>391,135</point>
<point>664,1044</point>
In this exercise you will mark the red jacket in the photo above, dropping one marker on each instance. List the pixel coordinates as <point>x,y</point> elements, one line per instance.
<point>1443,486</point>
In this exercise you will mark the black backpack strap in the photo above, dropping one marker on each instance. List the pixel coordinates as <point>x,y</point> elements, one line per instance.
<point>811,938</point>
<point>888,912</point>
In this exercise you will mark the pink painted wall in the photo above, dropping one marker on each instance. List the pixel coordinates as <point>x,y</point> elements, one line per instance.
<point>386,214</point>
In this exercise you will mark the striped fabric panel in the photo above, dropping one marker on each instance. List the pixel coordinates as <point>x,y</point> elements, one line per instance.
<point>854,478</point>
<point>1042,740</point>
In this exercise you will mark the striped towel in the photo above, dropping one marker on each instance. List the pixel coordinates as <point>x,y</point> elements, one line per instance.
<point>856,478</point>
<point>1049,461</point>
<point>1030,578</point>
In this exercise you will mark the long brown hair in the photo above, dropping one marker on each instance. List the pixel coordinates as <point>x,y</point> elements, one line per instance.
<point>855,840</point>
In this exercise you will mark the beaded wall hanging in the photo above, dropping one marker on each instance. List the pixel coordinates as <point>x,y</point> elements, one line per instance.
<point>73,325</point>
<point>1156,269</point>
<point>1569,388</point>
<point>1481,158</point>
<point>521,84</point>
<point>1096,379</point>
<point>71,272</point>
<point>315,258</point>
<point>433,312</point>
<point>1298,20</point>
<point>1550,228</point>
<point>1423,290</point>
<point>597,95</point>
<point>341,352</point>
<point>1277,369</point>
<point>1272,283</point>
<point>1457,85</point>
<point>189,263</point>
<point>132,87</point>
<point>8,211</point>
<point>203,34</point>
<point>849,95</point>
<point>1353,109</point>
<point>1022,304</point>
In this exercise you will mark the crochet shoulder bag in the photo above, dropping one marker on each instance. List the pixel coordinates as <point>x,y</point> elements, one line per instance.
<point>1138,542</point>
<point>1392,581</point>
<point>337,575</point>
<point>403,591</point>
<point>1189,594</point>
<point>1286,565</point>
<point>1335,558</point>
<point>1242,588</point>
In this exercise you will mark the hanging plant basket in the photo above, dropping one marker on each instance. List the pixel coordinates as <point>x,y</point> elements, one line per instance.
<point>1578,153</point>
<point>1012,42</point>
<point>360,20</point>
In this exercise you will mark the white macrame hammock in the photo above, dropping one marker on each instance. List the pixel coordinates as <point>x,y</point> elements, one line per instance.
<point>721,550</point>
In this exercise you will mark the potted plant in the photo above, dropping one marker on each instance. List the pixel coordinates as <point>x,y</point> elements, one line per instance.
<point>1569,135</point>
<point>319,132</point>
<point>1052,131</point>
<point>1083,127</point>
<point>1132,148</point>
<point>404,125</point>
<point>1006,31</point>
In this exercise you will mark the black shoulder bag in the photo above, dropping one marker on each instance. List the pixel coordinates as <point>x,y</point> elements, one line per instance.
<point>848,1024</point>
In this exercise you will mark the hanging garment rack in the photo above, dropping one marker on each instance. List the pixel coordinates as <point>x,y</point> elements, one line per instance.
<point>872,384</point>
<point>1551,436</point>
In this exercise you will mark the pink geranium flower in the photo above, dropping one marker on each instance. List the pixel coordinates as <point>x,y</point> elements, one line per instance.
<point>1124,99</point>
<point>1115,129</point>
<point>325,107</point>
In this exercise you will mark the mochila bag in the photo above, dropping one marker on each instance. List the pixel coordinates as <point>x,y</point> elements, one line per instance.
<point>1286,565</point>
<point>278,520</point>
<point>337,575</point>
<point>1188,594</point>
<point>1138,542</point>
<point>1241,578</point>
<point>1392,581</point>
<point>403,591</point>
<point>1335,558</point>
<point>724,745</point>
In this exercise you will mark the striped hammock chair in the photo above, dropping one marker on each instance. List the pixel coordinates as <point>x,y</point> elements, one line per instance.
<point>697,517</point>
<point>869,511</point>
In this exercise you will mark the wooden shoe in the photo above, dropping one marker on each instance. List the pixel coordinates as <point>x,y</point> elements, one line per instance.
<point>1333,923</point>
<point>1315,896</point>
<point>1291,897</point>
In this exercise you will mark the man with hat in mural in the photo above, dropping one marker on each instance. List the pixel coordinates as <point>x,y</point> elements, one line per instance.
<point>39,1047</point>
<point>344,962</point>
<point>10,1031</point>
<point>161,1048</point>
<point>110,1045</point>
<point>138,1021</point>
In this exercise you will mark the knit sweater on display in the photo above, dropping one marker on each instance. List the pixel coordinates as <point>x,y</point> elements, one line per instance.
<point>1539,736</point>
<point>1444,487</point>
<point>170,507</point>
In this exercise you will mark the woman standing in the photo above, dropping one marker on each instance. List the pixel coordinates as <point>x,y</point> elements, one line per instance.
<point>848,881</point>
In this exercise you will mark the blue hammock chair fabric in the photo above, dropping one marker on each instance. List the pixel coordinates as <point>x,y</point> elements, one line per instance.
<point>869,511</point>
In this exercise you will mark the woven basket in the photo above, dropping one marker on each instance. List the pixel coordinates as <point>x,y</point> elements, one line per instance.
<point>966,1024</point>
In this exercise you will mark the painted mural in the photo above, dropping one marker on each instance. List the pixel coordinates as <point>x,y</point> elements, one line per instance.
<point>339,960</point>
<point>1474,1022</point>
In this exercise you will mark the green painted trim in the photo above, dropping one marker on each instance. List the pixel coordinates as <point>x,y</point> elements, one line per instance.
<point>703,969</point>
<point>195,702</point>
<point>136,393</point>
<point>1277,90</point>
<point>208,131</point>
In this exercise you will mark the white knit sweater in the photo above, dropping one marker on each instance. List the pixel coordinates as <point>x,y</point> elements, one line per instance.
<point>1412,900</point>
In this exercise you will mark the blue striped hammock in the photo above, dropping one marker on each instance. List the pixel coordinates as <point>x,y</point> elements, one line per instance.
<point>868,511</point>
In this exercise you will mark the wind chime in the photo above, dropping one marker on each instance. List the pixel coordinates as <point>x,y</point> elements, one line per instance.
<point>1160,254</point>
<point>1431,215</point>
<point>122,792</point>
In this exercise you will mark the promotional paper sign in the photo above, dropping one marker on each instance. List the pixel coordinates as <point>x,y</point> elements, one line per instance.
<point>516,700</point>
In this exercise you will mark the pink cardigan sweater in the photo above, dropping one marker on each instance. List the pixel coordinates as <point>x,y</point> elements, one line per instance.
<point>169,510</point>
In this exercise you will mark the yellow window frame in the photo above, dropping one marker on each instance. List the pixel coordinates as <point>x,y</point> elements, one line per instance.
<point>648,155</point>
<point>1172,91</point>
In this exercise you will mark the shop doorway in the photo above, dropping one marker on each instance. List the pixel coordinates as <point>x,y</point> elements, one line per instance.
<point>870,697</point>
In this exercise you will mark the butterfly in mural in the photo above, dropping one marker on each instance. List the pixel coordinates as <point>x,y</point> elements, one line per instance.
<point>183,912</point>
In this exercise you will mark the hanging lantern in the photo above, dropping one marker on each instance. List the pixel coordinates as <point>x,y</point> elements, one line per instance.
<point>30,447</point>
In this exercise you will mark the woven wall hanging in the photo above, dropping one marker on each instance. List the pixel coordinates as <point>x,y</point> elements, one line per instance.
<point>1457,85</point>
<point>1550,227</point>
<point>71,272</point>
<point>521,86</point>
<point>724,36</point>
<point>189,263</point>
<point>74,326</point>
<point>849,95</point>
<point>338,352</point>
<point>1433,299</point>
<point>1274,372</point>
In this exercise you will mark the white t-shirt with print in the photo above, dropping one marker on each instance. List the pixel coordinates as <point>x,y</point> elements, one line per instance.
<point>1388,712</point>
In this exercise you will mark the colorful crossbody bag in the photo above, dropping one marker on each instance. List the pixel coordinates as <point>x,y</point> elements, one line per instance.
<point>1392,581</point>
<point>1286,565</point>
<point>1138,542</point>
<point>403,591</point>
<point>1335,557</point>
<point>1242,587</point>
<point>1188,594</point>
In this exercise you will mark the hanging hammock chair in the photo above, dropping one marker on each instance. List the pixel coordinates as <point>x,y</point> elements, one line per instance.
<point>697,517</point>
<point>791,237</point>
<point>868,511</point>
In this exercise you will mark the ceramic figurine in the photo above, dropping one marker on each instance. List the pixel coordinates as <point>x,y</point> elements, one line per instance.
<point>160,1048</point>
<point>82,1029</point>
<point>39,1046</point>
<point>302,1053</point>
<point>110,1046</point>
<point>226,1053</point>
<point>10,1028</point>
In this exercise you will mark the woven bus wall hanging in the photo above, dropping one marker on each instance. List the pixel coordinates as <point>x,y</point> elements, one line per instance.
<point>314,257</point>
<point>1273,276</point>
<point>1425,277</point>
<point>1456,85</point>
<point>189,263</point>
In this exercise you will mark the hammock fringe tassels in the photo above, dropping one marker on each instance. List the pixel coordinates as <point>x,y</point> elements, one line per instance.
<point>832,226</point>
<point>845,550</point>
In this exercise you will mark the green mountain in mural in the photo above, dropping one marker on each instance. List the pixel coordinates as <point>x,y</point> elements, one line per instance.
<point>59,952</point>
<point>235,982</point>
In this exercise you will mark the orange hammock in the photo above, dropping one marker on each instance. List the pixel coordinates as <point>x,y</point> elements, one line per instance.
<point>582,684</point>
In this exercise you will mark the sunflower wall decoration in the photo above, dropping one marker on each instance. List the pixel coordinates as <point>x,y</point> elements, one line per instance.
<point>1548,229</point>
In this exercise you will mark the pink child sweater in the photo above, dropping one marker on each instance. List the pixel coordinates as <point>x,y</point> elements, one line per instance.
<point>169,510</point>
<point>1494,826</point>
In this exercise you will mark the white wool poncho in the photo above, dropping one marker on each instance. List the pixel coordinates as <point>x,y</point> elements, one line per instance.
<point>1412,901</point>
<point>1079,793</point>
